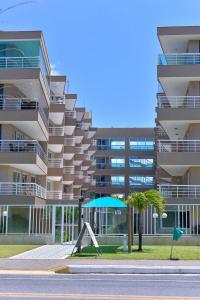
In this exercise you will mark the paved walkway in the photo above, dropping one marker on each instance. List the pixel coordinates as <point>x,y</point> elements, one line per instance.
<point>46,252</point>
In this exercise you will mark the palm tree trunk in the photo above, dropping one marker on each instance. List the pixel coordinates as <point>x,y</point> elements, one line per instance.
<point>129,229</point>
<point>140,229</point>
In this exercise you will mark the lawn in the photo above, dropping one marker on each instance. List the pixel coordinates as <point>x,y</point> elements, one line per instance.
<point>11,250</point>
<point>149,252</point>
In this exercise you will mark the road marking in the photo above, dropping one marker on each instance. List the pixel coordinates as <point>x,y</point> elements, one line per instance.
<point>91,296</point>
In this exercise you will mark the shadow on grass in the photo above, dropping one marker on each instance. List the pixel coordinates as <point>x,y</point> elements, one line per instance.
<point>90,251</point>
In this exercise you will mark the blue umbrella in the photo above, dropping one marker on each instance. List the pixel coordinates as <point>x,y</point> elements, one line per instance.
<point>105,202</point>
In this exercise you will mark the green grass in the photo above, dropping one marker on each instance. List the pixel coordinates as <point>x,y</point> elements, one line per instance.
<point>149,252</point>
<point>11,250</point>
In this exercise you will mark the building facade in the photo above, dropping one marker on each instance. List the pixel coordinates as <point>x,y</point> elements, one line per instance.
<point>46,144</point>
<point>178,121</point>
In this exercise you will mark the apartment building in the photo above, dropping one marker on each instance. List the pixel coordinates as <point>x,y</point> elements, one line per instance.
<point>46,145</point>
<point>178,123</point>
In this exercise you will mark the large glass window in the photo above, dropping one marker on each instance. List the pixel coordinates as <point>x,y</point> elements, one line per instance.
<point>101,162</point>
<point>117,144</point>
<point>144,144</point>
<point>117,180</point>
<point>117,162</point>
<point>141,181</point>
<point>140,163</point>
<point>18,219</point>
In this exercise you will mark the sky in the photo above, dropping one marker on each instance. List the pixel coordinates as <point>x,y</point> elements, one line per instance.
<point>107,48</point>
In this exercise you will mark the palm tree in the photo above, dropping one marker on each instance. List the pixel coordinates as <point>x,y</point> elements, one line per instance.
<point>141,201</point>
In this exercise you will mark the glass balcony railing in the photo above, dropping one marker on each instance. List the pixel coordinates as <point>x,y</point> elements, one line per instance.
<point>22,189</point>
<point>23,146</point>
<point>179,59</point>
<point>178,102</point>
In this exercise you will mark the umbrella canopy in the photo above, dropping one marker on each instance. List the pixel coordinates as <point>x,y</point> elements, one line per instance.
<point>108,202</point>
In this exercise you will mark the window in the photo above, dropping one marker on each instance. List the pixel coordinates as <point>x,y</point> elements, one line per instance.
<point>117,162</point>
<point>120,196</point>
<point>117,180</point>
<point>103,144</point>
<point>117,145</point>
<point>141,181</point>
<point>141,144</point>
<point>140,163</point>
<point>101,162</point>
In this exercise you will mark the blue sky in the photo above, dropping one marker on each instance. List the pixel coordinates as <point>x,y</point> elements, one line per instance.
<point>107,48</point>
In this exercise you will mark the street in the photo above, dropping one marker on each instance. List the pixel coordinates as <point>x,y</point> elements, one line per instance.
<point>100,287</point>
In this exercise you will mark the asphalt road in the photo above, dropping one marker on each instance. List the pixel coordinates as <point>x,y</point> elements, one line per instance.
<point>112,287</point>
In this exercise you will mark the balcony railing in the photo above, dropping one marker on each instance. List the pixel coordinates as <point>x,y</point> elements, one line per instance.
<point>23,146</point>
<point>180,191</point>
<point>109,166</point>
<point>57,100</point>
<point>68,196</point>
<point>56,131</point>
<point>70,113</point>
<point>20,62</point>
<point>22,189</point>
<point>69,141</point>
<point>78,150</point>
<point>179,59</point>
<point>54,195</point>
<point>178,101</point>
<point>179,145</point>
<point>55,163</point>
<point>22,104</point>
<point>68,170</point>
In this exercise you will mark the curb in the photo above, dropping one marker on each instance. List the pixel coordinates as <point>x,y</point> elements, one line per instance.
<point>102,269</point>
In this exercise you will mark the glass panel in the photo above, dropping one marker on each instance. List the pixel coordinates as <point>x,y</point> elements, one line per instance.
<point>117,180</point>
<point>103,144</point>
<point>141,163</point>
<point>117,162</point>
<point>18,219</point>
<point>141,145</point>
<point>117,144</point>
<point>141,181</point>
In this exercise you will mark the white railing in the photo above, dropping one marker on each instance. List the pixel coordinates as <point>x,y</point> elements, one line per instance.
<point>179,59</point>
<point>19,103</point>
<point>179,145</point>
<point>68,196</point>
<point>23,146</point>
<point>22,189</point>
<point>178,102</point>
<point>70,113</point>
<point>57,100</point>
<point>69,141</point>
<point>176,191</point>
<point>68,170</point>
<point>56,131</point>
<point>20,62</point>
<point>55,162</point>
<point>54,195</point>
<point>93,142</point>
<point>78,150</point>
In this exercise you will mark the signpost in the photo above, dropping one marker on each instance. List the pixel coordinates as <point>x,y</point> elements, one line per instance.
<point>177,233</point>
<point>86,227</point>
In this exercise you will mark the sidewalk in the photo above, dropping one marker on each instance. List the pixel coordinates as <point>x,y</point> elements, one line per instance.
<point>101,266</point>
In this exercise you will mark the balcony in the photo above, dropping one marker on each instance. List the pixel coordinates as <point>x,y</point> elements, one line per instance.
<point>177,156</point>
<point>69,141</point>
<point>56,131</point>
<point>179,59</point>
<point>189,102</point>
<point>56,139</point>
<point>67,196</point>
<point>68,174</point>
<point>19,62</point>
<point>22,189</point>
<point>26,114</point>
<point>54,195</point>
<point>57,100</point>
<point>55,163</point>
<point>28,155</point>
<point>180,191</point>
